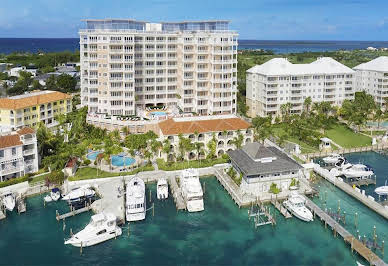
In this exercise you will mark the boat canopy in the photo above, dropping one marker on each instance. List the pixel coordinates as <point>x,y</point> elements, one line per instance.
<point>55,190</point>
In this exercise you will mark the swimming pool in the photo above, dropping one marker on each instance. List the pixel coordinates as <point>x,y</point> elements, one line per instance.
<point>158,113</point>
<point>119,160</point>
<point>93,155</point>
<point>382,124</point>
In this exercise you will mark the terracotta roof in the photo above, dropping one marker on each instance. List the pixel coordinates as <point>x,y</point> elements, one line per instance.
<point>171,127</point>
<point>7,103</point>
<point>26,130</point>
<point>9,141</point>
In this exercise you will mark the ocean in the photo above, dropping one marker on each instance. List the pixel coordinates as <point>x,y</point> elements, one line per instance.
<point>33,45</point>
<point>220,235</point>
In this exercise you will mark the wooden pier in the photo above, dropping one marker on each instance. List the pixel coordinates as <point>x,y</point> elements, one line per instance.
<point>280,208</point>
<point>363,182</point>
<point>72,213</point>
<point>355,244</point>
<point>177,194</point>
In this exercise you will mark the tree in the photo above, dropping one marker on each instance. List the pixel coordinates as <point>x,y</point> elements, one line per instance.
<point>51,83</point>
<point>198,147</point>
<point>156,146</point>
<point>66,83</point>
<point>36,85</point>
<point>378,116</point>
<point>212,148</point>
<point>307,104</point>
<point>239,140</point>
<point>285,110</point>
<point>263,127</point>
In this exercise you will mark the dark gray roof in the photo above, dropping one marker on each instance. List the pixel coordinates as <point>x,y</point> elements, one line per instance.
<point>247,157</point>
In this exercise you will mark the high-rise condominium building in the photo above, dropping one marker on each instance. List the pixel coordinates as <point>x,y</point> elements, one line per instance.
<point>279,82</point>
<point>372,77</point>
<point>128,65</point>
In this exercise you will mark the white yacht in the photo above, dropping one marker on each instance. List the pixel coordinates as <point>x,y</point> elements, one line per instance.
<point>54,195</point>
<point>9,201</point>
<point>192,190</point>
<point>135,200</point>
<point>342,163</point>
<point>358,171</point>
<point>77,194</point>
<point>332,159</point>
<point>295,204</point>
<point>383,190</point>
<point>101,227</point>
<point>162,189</point>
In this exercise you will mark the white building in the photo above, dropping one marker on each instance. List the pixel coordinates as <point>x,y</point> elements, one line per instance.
<point>18,153</point>
<point>15,71</point>
<point>372,77</point>
<point>127,65</point>
<point>278,82</point>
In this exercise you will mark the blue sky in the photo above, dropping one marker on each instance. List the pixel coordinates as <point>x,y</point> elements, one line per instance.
<point>253,19</point>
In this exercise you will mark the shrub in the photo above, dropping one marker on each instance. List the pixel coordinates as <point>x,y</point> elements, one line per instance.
<point>55,177</point>
<point>274,189</point>
<point>14,181</point>
<point>86,162</point>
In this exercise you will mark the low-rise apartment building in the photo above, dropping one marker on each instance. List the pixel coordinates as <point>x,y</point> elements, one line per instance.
<point>278,82</point>
<point>32,108</point>
<point>18,153</point>
<point>224,128</point>
<point>128,65</point>
<point>372,77</point>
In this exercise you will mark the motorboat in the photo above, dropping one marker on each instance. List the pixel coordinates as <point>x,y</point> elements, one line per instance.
<point>54,195</point>
<point>332,159</point>
<point>79,193</point>
<point>9,201</point>
<point>342,163</point>
<point>162,189</point>
<point>383,190</point>
<point>192,190</point>
<point>135,200</point>
<point>358,171</point>
<point>296,205</point>
<point>101,227</point>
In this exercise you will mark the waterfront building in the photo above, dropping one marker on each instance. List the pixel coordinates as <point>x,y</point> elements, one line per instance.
<point>32,108</point>
<point>278,82</point>
<point>223,128</point>
<point>261,166</point>
<point>128,65</point>
<point>372,77</point>
<point>18,153</point>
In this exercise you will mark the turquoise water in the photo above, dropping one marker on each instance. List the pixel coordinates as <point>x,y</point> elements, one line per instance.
<point>220,235</point>
<point>119,160</point>
<point>375,124</point>
<point>93,155</point>
<point>158,113</point>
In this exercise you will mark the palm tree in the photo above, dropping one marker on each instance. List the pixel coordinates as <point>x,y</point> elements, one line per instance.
<point>126,131</point>
<point>198,147</point>
<point>307,104</point>
<point>148,155</point>
<point>238,141</point>
<point>155,147</point>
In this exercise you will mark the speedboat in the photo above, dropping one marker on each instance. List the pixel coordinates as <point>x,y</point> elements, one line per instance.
<point>101,227</point>
<point>295,204</point>
<point>79,193</point>
<point>162,189</point>
<point>9,201</point>
<point>135,200</point>
<point>192,190</point>
<point>383,190</point>
<point>342,163</point>
<point>54,195</point>
<point>331,159</point>
<point>358,171</point>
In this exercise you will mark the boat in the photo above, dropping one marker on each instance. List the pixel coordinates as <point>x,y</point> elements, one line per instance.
<point>54,195</point>
<point>101,227</point>
<point>358,171</point>
<point>295,204</point>
<point>192,190</point>
<point>77,194</point>
<point>9,201</point>
<point>332,159</point>
<point>162,189</point>
<point>342,163</point>
<point>383,190</point>
<point>135,200</point>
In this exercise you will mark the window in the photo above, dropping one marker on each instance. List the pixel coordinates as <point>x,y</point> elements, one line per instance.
<point>13,151</point>
<point>1,153</point>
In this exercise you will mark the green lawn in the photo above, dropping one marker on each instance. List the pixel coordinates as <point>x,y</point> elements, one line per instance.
<point>188,164</point>
<point>38,179</point>
<point>344,136</point>
<point>91,173</point>
<point>304,147</point>
<point>374,133</point>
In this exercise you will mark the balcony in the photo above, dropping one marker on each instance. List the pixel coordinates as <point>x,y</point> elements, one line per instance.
<point>10,170</point>
<point>28,151</point>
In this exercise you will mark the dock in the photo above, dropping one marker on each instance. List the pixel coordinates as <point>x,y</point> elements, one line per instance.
<point>21,204</point>
<point>376,148</point>
<point>72,213</point>
<point>177,194</point>
<point>355,244</point>
<point>354,192</point>
<point>281,208</point>
<point>363,182</point>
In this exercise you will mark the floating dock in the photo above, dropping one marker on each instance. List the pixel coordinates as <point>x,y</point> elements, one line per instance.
<point>355,244</point>
<point>72,213</point>
<point>177,194</point>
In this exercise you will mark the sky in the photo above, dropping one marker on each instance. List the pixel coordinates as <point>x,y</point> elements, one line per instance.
<point>253,19</point>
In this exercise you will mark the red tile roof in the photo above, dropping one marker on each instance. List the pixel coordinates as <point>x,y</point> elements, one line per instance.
<point>9,141</point>
<point>13,104</point>
<point>25,130</point>
<point>171,127</point>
